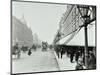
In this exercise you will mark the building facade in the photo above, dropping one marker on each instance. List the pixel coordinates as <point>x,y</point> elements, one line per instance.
<point>21,34</point>
<point>71,26</point>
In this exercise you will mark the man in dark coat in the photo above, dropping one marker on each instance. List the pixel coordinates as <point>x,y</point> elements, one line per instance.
<point>77,54</point>
<point>29,52</point>
<point>79,65</point>
<point>71,56</point>
<point>92,61</point>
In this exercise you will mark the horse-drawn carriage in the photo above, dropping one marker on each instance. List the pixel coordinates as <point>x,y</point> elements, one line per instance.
<point>44,46</point>
<point>24,48</point>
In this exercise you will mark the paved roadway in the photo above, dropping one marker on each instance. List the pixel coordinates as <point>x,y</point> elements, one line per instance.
<point>38,62</point>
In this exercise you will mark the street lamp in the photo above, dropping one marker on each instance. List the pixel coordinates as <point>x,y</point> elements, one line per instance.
<point>83,10</point>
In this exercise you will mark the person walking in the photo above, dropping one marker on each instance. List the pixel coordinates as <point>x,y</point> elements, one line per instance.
<point>79,65</point>
<point>29,52</point>
<point>19,53</point>
<point>71,57</point>
<point>77,54</point>
<point>92,61</point>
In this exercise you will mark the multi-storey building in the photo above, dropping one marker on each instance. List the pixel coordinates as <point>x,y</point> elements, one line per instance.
<point>70,27</point>
<point>21,34</point>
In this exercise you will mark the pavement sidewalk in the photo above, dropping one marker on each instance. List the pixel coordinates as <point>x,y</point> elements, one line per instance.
<point>64,63</point>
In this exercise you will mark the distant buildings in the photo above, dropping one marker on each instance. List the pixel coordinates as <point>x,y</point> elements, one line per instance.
<point>21,34</point>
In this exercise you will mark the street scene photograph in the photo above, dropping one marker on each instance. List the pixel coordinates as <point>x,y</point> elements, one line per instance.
<point>52,37</point>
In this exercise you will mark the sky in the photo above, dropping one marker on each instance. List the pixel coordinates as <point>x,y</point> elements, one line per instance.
<point>42,18</point>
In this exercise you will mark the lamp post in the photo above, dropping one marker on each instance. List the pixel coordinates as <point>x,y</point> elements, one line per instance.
<point>83,10</point>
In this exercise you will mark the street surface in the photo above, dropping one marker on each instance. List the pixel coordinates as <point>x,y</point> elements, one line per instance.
<point>37,62</point>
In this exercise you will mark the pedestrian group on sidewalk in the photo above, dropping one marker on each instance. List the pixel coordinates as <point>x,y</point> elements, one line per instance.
<point>76,54</point>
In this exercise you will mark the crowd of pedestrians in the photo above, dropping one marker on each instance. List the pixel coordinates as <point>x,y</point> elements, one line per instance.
<point>77,55</point>
<point>79,58</point>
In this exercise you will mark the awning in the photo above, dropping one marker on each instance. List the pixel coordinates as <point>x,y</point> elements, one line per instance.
<point>79,38</point>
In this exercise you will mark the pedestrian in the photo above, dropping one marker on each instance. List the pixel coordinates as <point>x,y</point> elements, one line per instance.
<point>29,52</point>
<point>92,61</point>
<point>79,65</point>
<point>77,54</point>
<point>19,53</point>
<point>71,56</point>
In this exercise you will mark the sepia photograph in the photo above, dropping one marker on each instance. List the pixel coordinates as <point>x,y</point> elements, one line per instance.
<point>52,37</point>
